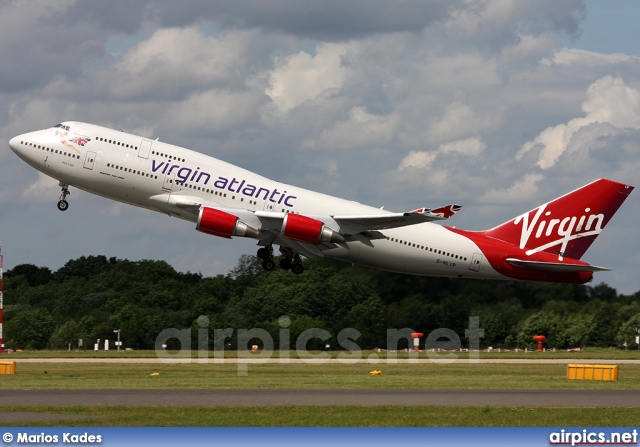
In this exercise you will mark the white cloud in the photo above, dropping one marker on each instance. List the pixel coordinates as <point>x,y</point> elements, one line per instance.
<point>575,57</point>
<point>496,23</point>
<point>43,190</point>
<point>527,52</point>
<point>470,148</point>
<point>361,130</point>
<point>38,109</point>
<point>176,60</point>
<point>459,120</point>
<point>456,73</point>
<point>302,77</point>
<point>609,101</point>
<point>417,160</point>
<point>522,190</point>
<point>211,112</point>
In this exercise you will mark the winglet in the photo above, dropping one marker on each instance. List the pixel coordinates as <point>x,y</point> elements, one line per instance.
<point>444,212</point>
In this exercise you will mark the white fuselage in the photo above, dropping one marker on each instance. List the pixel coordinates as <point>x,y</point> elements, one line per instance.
<point>156,175</point>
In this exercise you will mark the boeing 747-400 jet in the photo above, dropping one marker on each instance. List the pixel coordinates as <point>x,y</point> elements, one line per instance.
<point>544,244</point>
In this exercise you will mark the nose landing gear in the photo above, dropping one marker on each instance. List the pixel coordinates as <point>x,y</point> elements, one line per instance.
<point>63,205</point>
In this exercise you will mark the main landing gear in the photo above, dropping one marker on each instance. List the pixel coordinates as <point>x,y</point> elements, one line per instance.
<point>63,205</point>
<point>266,254</point>
<point>294,264</point>
<point>291,261</point>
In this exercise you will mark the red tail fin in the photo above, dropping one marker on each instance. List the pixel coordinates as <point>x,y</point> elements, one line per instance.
<point>568,225</point>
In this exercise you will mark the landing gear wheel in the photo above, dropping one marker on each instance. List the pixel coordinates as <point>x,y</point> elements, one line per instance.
<point>296,265</point>
<point>265,253</point>
<point>63,205</point>
<point>285,264</point>
<point>268,265</point>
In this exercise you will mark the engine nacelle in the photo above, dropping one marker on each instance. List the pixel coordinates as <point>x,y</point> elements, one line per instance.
<point>219,223</point>
<point>305,229</point>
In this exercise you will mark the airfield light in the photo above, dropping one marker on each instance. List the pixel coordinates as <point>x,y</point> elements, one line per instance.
<point>540,339</point>
<point>416,340</point>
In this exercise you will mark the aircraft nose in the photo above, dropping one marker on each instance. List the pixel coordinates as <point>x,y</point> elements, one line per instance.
<point>14,144</point>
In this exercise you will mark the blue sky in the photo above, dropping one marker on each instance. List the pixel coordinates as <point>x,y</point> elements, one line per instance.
<point>498,106</point>
<point>608,27</point>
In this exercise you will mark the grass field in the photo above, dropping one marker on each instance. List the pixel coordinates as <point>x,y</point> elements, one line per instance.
<point>460,375</point>
<point>338,416</point>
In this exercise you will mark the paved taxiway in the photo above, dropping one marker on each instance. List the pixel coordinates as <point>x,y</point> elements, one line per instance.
<point>509,398</point>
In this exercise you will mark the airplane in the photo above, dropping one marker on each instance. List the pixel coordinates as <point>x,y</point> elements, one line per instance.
<point>544,244</point>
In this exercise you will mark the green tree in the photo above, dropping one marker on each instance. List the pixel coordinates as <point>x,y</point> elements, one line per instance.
<point>84,266</point>
<point>368,318</point>
<point>34,276</point>
<point>144,297</point>
<point>628,332</point>
<point>30,330</point>
<point>67,334</point>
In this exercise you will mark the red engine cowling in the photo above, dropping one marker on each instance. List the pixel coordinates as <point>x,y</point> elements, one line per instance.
<point>305,229</point>
<point>219,223</point>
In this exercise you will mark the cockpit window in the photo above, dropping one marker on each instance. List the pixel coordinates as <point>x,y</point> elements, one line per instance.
<point>67,128</point>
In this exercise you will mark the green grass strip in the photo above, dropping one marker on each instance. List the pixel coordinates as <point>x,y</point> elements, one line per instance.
<point>462,375</point>
<point>332,416</point>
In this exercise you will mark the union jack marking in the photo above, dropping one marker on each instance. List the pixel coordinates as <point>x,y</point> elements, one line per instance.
<point>80,141</point>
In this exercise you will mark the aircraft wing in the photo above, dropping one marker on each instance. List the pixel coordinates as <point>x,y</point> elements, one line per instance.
<point>348,224</point>
<point>386,221</point>
<point>555,267</point>
<point>363,228</point>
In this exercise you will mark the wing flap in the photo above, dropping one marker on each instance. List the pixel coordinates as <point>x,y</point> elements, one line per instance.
<point>555,267</point>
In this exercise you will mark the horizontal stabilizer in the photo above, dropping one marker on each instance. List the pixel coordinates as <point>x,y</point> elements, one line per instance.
<point>555,267</point>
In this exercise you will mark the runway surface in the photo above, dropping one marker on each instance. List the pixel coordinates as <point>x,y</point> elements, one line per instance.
<point>509,398</point>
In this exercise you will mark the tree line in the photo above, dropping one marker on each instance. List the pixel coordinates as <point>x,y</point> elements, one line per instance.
<point>90,297</point>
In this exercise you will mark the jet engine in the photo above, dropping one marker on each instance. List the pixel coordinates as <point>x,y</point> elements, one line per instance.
<point>305,229</point>
<point>219,223</point>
